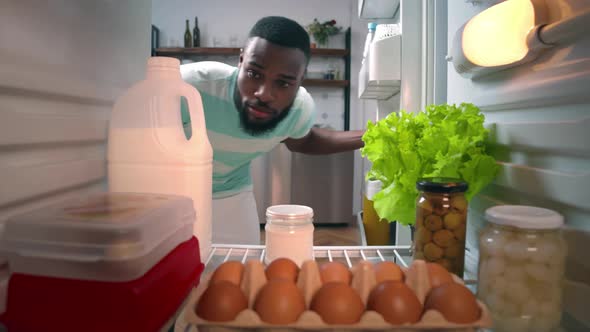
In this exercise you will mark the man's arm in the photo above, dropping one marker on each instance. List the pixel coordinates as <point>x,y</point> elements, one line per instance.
<point>326,141</point>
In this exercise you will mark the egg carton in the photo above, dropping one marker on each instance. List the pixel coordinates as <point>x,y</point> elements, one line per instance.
<point>309,281</point>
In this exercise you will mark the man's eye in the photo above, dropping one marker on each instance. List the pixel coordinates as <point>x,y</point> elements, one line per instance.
<point>284,84</point>
<point>252,74</point>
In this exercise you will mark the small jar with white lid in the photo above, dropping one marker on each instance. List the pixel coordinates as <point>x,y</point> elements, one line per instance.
<point>521,267</point>
<point>289,233</point>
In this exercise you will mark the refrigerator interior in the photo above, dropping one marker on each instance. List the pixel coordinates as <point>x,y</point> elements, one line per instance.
<point>537,113</point>
<point>63,65</point>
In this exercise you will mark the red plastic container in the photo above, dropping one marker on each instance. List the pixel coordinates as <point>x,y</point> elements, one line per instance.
<point>37,303</point>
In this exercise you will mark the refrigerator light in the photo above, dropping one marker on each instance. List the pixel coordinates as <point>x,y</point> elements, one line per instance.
<point>509,34</point>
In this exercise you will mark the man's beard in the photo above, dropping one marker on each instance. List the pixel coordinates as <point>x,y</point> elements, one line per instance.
<point>257,129</point>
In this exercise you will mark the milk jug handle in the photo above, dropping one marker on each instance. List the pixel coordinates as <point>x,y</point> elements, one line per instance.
<point>195,108</point>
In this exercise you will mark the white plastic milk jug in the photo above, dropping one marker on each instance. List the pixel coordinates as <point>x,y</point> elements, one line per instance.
<point>148,151</point>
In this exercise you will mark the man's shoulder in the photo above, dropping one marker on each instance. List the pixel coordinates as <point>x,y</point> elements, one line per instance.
<point>303,100</point>
<point>206,71</point>
<point>209,77</point>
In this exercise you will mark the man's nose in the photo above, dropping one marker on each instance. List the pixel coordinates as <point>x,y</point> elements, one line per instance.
<point>264,93</point>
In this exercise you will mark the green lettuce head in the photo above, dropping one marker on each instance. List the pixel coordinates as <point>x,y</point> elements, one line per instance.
<point>443,141</point>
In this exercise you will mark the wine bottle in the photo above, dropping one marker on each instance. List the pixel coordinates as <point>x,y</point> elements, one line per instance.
<point>188,40</point>
<point>196,34</point>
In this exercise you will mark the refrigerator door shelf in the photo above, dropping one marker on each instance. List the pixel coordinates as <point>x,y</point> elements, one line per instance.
<point>382,79</point>
<point>372,9</point>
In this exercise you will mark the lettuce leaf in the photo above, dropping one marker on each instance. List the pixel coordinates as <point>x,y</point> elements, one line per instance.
<point>443,141</point>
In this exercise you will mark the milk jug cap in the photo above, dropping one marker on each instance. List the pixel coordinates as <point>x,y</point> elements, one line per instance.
<point>163,62</point>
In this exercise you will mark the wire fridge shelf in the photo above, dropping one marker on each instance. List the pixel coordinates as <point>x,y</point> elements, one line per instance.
<point>349,255</point>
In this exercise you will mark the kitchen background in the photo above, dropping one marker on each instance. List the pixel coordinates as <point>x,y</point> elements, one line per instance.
<point>331,185</point>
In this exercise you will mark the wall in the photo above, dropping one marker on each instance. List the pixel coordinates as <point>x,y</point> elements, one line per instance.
<point>62,64</point>
<point>538,114</point>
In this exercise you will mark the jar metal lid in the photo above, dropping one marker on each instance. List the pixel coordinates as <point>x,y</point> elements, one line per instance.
<point>442,185</point>
<point>289,213</point>
<point>526,217</point>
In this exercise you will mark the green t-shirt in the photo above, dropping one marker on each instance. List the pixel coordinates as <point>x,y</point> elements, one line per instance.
<point>234,148</point>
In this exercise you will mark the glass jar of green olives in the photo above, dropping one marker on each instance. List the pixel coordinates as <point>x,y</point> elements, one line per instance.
<point>441,222</point>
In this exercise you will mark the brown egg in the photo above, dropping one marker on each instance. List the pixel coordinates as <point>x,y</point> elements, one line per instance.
<point>396,302</point>
<point>455,302</point>
<point>388,271</point>
<point>438,275</point>
<point>221,302</point>
<point>338,303</point>
<point>335,272</point>
<point>231,271</point>
<point>282,268</point>
<point>279,301</point>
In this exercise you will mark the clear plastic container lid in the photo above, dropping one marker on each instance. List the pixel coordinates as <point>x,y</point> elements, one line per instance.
<point>98,227</point>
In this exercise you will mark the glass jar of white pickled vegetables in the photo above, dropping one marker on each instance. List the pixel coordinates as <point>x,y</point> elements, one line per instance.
<point>521,267</point>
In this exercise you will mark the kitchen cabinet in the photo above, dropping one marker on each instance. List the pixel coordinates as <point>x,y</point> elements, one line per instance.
<point>231,52</point>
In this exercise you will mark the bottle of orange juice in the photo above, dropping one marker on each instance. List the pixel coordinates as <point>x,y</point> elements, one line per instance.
<point>376,229</point>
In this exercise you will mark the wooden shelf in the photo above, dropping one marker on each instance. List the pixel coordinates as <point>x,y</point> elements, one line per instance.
<point>326,83</point>
<point>328,52</point>
<point>198,51</point>
<point>336,52</point>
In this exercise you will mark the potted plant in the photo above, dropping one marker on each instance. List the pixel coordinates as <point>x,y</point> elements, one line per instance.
<point>322,31</point>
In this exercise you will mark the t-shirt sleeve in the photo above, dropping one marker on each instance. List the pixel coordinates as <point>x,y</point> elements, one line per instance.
<point>305,107</point>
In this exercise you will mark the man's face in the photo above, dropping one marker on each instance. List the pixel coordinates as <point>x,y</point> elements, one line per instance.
<point>269,76</point>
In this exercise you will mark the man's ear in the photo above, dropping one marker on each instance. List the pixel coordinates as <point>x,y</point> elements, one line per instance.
<point>241,56</point>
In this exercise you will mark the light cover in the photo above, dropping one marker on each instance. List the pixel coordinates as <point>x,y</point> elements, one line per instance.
<point>498,35</point>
